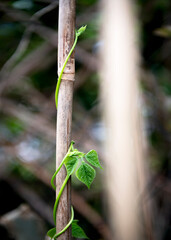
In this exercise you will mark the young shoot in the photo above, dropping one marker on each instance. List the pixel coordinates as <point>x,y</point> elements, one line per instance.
<point>76,162</point>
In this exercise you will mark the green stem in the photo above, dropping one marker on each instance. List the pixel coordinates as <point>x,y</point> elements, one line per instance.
<point>67,226</point>
<point>58,197</point>
<point>54,175</point>
<point>60,76</point>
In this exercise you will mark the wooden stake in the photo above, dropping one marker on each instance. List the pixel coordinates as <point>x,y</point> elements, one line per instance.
<point>126,179</point>
<point>66,33</point>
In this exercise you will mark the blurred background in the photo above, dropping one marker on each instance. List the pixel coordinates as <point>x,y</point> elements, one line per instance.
<point>28,62</point>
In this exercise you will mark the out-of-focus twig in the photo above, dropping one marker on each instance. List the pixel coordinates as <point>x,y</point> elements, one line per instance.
<point>24,42</point>
<point>39,100</point>
<point>36,122</point>
<point>32,198</point>
<point>31,63</point>
<point>88,14</point>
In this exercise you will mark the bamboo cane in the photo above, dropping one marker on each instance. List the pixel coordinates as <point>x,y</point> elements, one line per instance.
<point>125,175</point>
<point>66,32</point>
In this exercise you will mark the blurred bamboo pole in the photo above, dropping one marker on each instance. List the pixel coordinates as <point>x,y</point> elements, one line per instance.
<point>66,33</point>
<point>125,174</point>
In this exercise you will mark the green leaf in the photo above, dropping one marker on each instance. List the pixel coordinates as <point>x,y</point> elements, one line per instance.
<point>70,164</point>
<point>92,158</point>
<point>86,174</point>
<point>77,231</point>
<point>51,232</point>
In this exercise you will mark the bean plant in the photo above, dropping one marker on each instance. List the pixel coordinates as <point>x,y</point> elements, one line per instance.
<point>80,163</point>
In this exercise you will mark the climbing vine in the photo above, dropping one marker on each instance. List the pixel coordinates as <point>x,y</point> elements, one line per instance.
<point>82,164</point>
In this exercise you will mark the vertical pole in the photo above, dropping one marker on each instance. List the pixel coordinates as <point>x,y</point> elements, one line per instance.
<point>125,176</point>
<point>66,33</point>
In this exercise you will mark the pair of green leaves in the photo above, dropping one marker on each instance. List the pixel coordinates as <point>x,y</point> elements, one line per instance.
<point>85,173</point>
<point>77,231</point>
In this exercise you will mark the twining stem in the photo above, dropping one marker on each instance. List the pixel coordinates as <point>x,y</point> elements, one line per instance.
<point>58,197</point>
<point>77,34</point>
<point>60,76</point>
<point>54,175</point>
<point>67,226</point>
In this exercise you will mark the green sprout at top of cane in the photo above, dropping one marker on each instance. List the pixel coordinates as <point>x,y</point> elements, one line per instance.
<point>77,34</point>
<point>74,161</point>
<point>80,30</point>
